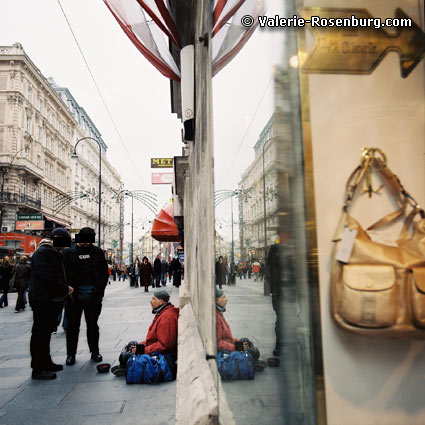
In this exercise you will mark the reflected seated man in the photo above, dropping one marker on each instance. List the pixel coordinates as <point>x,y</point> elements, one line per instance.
<point>161,336</point>
<point>225,340</point>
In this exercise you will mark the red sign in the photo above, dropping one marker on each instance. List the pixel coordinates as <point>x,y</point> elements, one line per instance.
<point>162,178</point>
<point>30,225</point>
<point>31,243</point>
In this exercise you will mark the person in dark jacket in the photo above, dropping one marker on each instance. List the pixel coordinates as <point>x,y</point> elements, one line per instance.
<point>279,274</point>
<point>22,277</point>
<point>220,272</point>
<point>162,333</point>
<point>145,271</point>
<point>157,271</point>
<point>88,274</point>
<point>47,290</point>
<point>164,270</point>
<point>6,273</point>
<point>177,269</point>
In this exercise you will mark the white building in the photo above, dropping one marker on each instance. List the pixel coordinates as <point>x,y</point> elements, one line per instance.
<point>85,177</point>
<point>39,126</point>
<point>257,206</point>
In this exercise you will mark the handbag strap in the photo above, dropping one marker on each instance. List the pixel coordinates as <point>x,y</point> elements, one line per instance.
<point>403,198</point>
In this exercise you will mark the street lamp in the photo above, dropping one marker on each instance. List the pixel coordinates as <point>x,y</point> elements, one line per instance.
<point>264,201</point>
<point>74,155</point>
<point>148,199</point>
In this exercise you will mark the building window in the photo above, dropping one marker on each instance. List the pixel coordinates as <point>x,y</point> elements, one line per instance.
<point>41,106</point>
<point>30,93</point>
<point>53,118</point>
<point>39,134</point>
<point>47,141</point>
<point>38,160</point>
<point>27,152</point>
<point>28,125</point>
<point>48,114</point>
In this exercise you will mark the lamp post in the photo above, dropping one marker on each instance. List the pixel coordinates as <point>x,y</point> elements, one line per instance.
<point>74,155</point>
<point>264,201</point>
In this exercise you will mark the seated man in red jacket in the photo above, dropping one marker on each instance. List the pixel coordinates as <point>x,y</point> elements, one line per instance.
<point>162,333</point>
<point>225,340</point>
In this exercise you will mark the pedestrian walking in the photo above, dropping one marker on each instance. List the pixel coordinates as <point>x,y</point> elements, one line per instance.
<point>256,270</point>
<point>145,271</point>
<point>22,278</point>
<point>220,272</point>
<point>177,272</point>
<point>88,274</point>
<point>6,273</point>
<point>157,271</point>
<point>164,270</point>
<point>136,273</point>
<point>47,290</point>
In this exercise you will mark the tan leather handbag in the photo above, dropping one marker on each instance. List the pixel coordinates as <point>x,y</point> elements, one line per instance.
<point>380,290</point>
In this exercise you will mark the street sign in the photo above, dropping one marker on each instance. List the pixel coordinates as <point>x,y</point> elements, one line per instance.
<point>26,217</point>
<point>114,243</point>
<point>346,45</point>
<point>162,162</point>
<point>29,225</point>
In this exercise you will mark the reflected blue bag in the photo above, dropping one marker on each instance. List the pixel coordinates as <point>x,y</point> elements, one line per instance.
<point>235,365</point>
<point>147,369</point>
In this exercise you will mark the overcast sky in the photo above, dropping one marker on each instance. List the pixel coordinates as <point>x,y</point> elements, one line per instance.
<point>137,94</point>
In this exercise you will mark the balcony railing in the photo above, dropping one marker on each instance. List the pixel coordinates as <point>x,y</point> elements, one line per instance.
<point>18,198</point>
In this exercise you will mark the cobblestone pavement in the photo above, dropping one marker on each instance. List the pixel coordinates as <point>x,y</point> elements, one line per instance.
<point>81,395</point>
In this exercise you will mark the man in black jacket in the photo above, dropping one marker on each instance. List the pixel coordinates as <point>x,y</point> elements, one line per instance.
<point>88,274</point>
<point>47,290</point>
<point>157,271</point>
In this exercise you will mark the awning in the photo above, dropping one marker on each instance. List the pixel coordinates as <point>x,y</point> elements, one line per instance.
<point>55,220</point>
<point>164,229</point>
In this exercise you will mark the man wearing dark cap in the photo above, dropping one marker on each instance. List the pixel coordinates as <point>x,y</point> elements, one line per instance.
<point>162,333</point>
<point>47,290</point>
<point>88,274</point>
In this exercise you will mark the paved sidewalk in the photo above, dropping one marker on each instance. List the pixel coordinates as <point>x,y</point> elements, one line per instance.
<point>250,314</point>
<point>81,395</point>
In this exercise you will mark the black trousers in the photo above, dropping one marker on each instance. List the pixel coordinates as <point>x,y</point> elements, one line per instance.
<point>74,310</point>
<point>20,303</point>
<point>45,315</point>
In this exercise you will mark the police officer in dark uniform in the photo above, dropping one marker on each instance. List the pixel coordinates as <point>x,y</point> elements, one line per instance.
<point>47,289</point>
<point>88,271</point>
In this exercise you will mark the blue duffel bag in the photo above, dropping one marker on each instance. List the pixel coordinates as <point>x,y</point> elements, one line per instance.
<point>235,365</point>
<point>147,369</point>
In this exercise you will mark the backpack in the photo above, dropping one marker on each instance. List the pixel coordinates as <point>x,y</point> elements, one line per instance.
<point>235,365</point>
<point>147,369</point>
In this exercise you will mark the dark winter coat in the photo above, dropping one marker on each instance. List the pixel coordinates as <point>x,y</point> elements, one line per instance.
<point>162,333</point>
<point>145,271</point>
<point>157,266</point>
<point>164,266</point>
<point>22,276</point>
<point>98,267</point>
<point>48,279</point>
<point>6,273</point>
<point>220,273</point>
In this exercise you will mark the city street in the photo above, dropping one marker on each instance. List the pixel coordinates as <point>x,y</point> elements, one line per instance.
<point>81,395</point>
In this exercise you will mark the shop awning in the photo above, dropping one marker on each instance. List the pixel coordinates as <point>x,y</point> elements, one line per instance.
<point>164,229</point>
<point>55,220</point>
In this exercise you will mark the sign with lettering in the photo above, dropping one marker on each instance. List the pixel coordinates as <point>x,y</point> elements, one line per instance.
<point>352,41</point>
<point>29,225</point>
<point>26,217</point>
<point>162,162</point>
<point>162,178</point>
